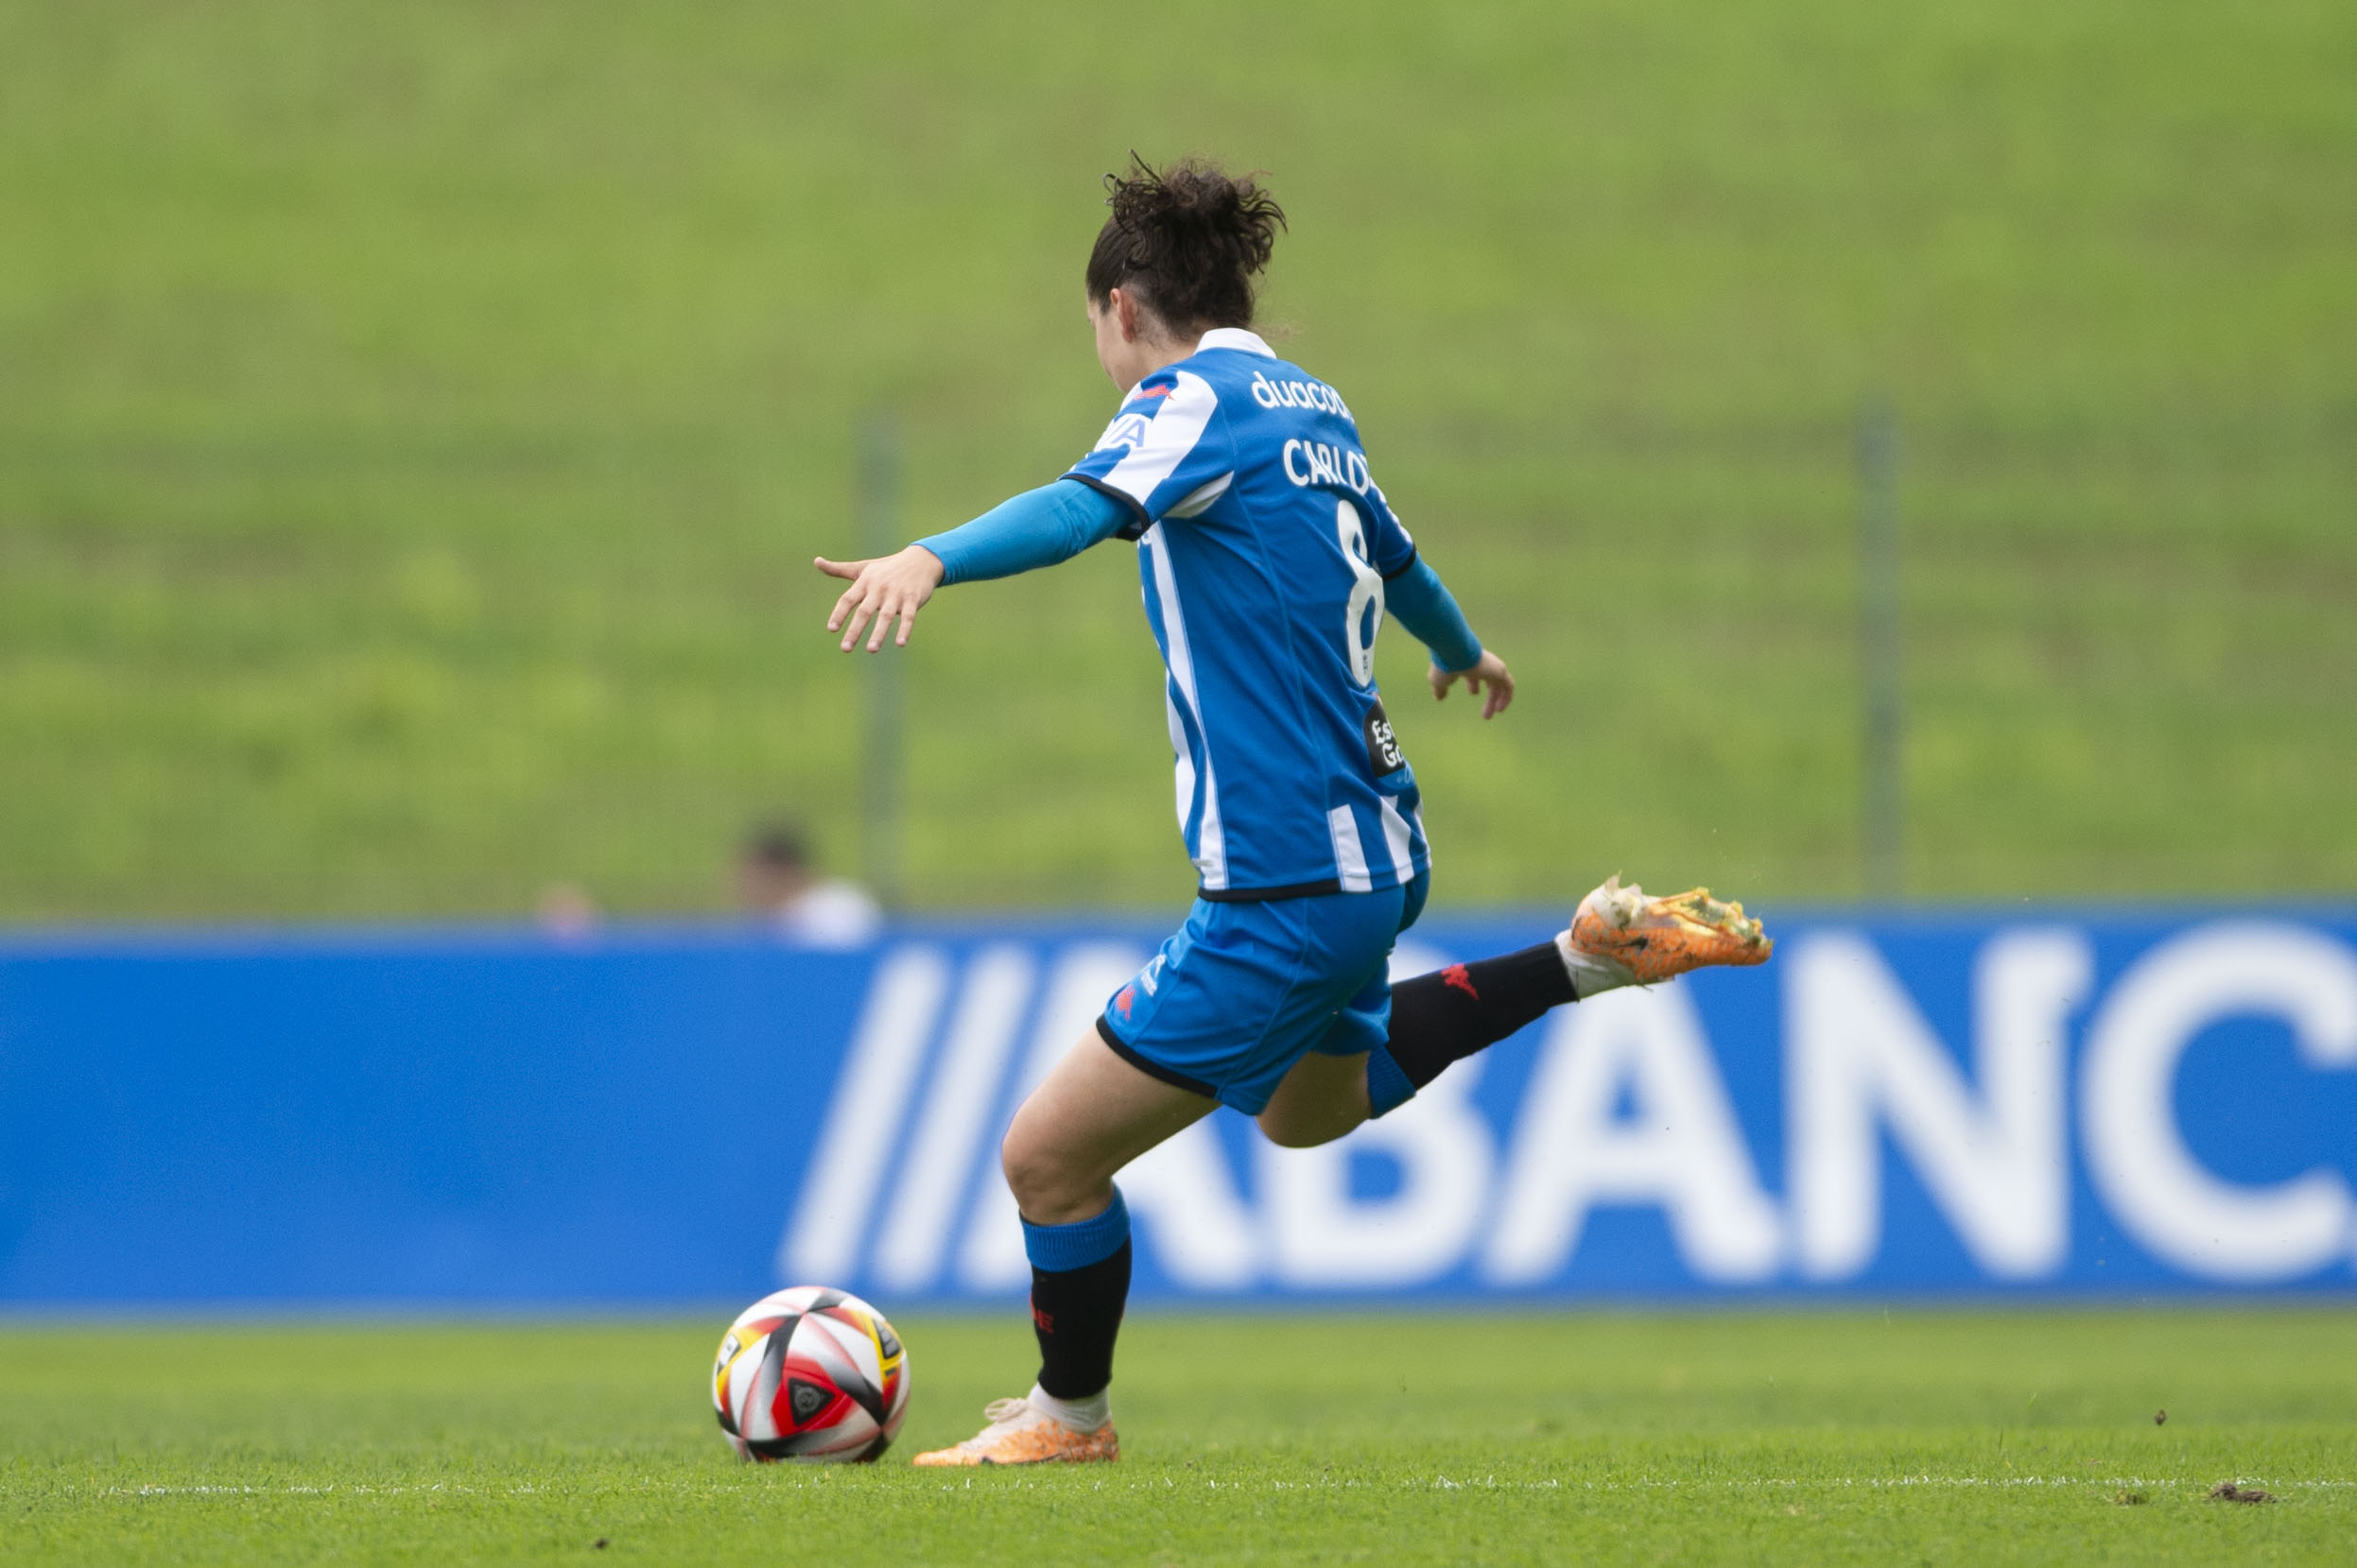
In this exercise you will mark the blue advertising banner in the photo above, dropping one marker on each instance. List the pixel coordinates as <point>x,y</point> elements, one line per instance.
<point>2108,1104</point>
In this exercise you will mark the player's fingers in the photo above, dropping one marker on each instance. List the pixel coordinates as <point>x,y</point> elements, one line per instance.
<point>860,614</point>
<point>885,611</point>
<point>843,607</point>
<point>1500,696</point>
<point>850,569</point>
<point>907,624</point>
<point>1439,681</point>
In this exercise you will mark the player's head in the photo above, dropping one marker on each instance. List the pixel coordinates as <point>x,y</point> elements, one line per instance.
<point>773,866</point>
<point>1179,255</point>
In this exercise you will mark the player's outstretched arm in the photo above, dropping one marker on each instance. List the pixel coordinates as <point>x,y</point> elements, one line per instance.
<point>1039,527</point>
<point>1421,602</point>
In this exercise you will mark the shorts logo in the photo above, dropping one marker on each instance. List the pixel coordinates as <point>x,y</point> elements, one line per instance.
<point>1151,976</point>
<point>1124,999</point>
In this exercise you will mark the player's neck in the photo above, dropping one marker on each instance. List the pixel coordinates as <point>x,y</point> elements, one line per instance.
<point>1149,354</point>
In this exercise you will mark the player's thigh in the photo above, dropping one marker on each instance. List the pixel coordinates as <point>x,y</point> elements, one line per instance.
<point>1091,1115</point>
<point>1324,1094</point>
<point>1319,1099</point>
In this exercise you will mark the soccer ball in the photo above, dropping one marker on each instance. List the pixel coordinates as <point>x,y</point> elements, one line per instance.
<point>813,1374</point>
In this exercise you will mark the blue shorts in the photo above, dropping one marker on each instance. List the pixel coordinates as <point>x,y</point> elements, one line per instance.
<point>1243,991</point>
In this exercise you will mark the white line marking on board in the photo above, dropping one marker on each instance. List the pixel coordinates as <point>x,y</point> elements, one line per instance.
<point>822,1241</point>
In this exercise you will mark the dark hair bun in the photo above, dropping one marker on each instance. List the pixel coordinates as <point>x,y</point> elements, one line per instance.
<point>1189,240</point>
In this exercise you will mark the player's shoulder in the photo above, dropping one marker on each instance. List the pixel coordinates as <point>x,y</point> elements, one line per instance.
<point>1243,371</point>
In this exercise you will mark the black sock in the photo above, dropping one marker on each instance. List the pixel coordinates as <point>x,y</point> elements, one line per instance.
<point>1446,1016</point>
<point>1076,1313</point>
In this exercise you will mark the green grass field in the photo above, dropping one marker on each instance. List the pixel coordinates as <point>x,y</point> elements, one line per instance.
<point>1817,1438</point>
<point>414,422</point>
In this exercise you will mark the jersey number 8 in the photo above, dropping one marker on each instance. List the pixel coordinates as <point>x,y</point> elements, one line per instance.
<point>1363,617</point>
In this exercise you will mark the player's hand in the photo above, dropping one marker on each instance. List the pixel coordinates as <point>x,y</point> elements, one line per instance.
<point>1491,673</point>
<point>882,589</point>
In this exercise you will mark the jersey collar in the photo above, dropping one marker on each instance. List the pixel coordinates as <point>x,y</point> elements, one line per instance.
<point>1236,337</point>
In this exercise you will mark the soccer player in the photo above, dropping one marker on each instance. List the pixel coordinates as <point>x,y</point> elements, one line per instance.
<point>1269,557</point>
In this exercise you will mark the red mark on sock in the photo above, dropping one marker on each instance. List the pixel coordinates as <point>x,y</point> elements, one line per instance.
<point>1046,1322</point>
<point>1455,975</point>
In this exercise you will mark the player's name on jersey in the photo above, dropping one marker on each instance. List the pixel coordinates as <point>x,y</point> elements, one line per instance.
<point>1298,394</point>
<point>1316,463</point>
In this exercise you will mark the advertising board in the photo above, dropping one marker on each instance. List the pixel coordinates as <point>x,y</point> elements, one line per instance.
<point>1901,1104</point>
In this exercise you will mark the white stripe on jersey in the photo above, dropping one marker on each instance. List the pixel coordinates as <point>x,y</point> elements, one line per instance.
<point>1397,840</point>
<point>1198,501</point>
<point>1349,859</point>
<point>1183,772</point>
<point>1210,844</point>
<point>1171,435</point>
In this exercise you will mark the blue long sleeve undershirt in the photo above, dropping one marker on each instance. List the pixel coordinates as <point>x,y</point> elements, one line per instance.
<point>1054,523</point>
<point>1421,602</point>
<point>1039,527</point>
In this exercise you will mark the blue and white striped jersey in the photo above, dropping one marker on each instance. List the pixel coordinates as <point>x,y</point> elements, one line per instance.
<point>1263,543</point>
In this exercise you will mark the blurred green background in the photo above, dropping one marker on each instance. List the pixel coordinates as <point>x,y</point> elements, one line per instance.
<point>415,422</point>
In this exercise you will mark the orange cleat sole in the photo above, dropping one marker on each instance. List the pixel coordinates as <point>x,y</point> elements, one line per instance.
<point>1045,1444</point>
<point>1658,938</point>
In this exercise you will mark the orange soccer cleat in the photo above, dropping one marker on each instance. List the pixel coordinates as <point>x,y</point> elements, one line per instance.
<point>1020,1433</point>
<point>1656,938</point>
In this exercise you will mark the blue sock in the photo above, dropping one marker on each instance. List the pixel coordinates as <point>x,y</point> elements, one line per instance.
<point>1061,1248</point>
<point>1388,1086</point>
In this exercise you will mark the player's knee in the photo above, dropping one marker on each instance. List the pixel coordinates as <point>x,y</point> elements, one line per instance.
<point>1043,1188</point>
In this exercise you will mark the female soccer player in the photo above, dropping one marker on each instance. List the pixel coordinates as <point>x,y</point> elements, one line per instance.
<point>1269,557</point>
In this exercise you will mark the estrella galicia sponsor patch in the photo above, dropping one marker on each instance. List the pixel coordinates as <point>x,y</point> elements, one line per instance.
<point>1383,752</point>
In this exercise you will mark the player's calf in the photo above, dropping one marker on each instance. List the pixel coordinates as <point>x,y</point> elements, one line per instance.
<point>1617,937</point>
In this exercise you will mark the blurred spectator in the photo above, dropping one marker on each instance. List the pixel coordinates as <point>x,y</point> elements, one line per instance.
<point>778,882</point>
<point>566,911</point>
